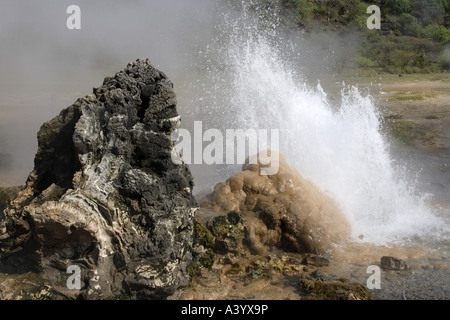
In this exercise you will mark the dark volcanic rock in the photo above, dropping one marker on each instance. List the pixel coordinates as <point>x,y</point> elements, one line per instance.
<point>105,194</point>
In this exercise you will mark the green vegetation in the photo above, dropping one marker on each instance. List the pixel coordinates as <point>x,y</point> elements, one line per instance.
<point>414,35</point>
<point>122,296</point>
<point>204,258</point>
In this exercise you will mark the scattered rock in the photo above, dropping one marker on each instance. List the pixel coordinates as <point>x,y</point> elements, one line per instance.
<point>392,263</point>
<point>340,289</point>
<point>106,196</point>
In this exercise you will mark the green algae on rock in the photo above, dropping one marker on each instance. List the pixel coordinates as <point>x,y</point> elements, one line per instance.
<point>105,194</point>
<point>268,265</point>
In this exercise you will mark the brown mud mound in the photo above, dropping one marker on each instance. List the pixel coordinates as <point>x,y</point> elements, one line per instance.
<point>283,210</point>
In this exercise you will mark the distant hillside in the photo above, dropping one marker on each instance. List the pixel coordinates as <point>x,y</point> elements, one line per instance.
<point>414,35</point>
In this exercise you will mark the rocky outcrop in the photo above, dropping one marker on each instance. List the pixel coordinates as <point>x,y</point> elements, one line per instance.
<point>230,233</point>
<point>283,210</point>
<point>6,194</point>
<point>105,195</point>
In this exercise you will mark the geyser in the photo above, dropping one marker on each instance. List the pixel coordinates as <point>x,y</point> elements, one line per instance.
<point>339,146</point>
<point>283,210</point>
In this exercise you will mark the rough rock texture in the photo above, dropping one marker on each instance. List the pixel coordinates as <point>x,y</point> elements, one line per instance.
<point>4,200</point>
<point>316,261</point>
<point>105,194</point>
<point>340,289</point>
<point>392,263</point>
<point>283,210</point>
<point>229,232</point>
<point>5,161</point>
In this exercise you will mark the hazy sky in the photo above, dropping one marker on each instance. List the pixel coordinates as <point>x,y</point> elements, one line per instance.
<point>35,41</point>
<point>44,66</point>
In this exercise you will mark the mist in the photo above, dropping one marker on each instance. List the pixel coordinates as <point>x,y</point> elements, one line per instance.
<point>45,67</point>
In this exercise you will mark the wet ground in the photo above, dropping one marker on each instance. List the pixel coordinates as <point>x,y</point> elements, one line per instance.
<point>425,279</point>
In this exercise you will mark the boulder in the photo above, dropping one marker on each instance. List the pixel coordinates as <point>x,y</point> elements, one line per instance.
<point>106,196</point>
<point>284,210</point>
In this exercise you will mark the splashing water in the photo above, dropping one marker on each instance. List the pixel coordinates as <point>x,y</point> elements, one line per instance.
<point>338,146</point>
